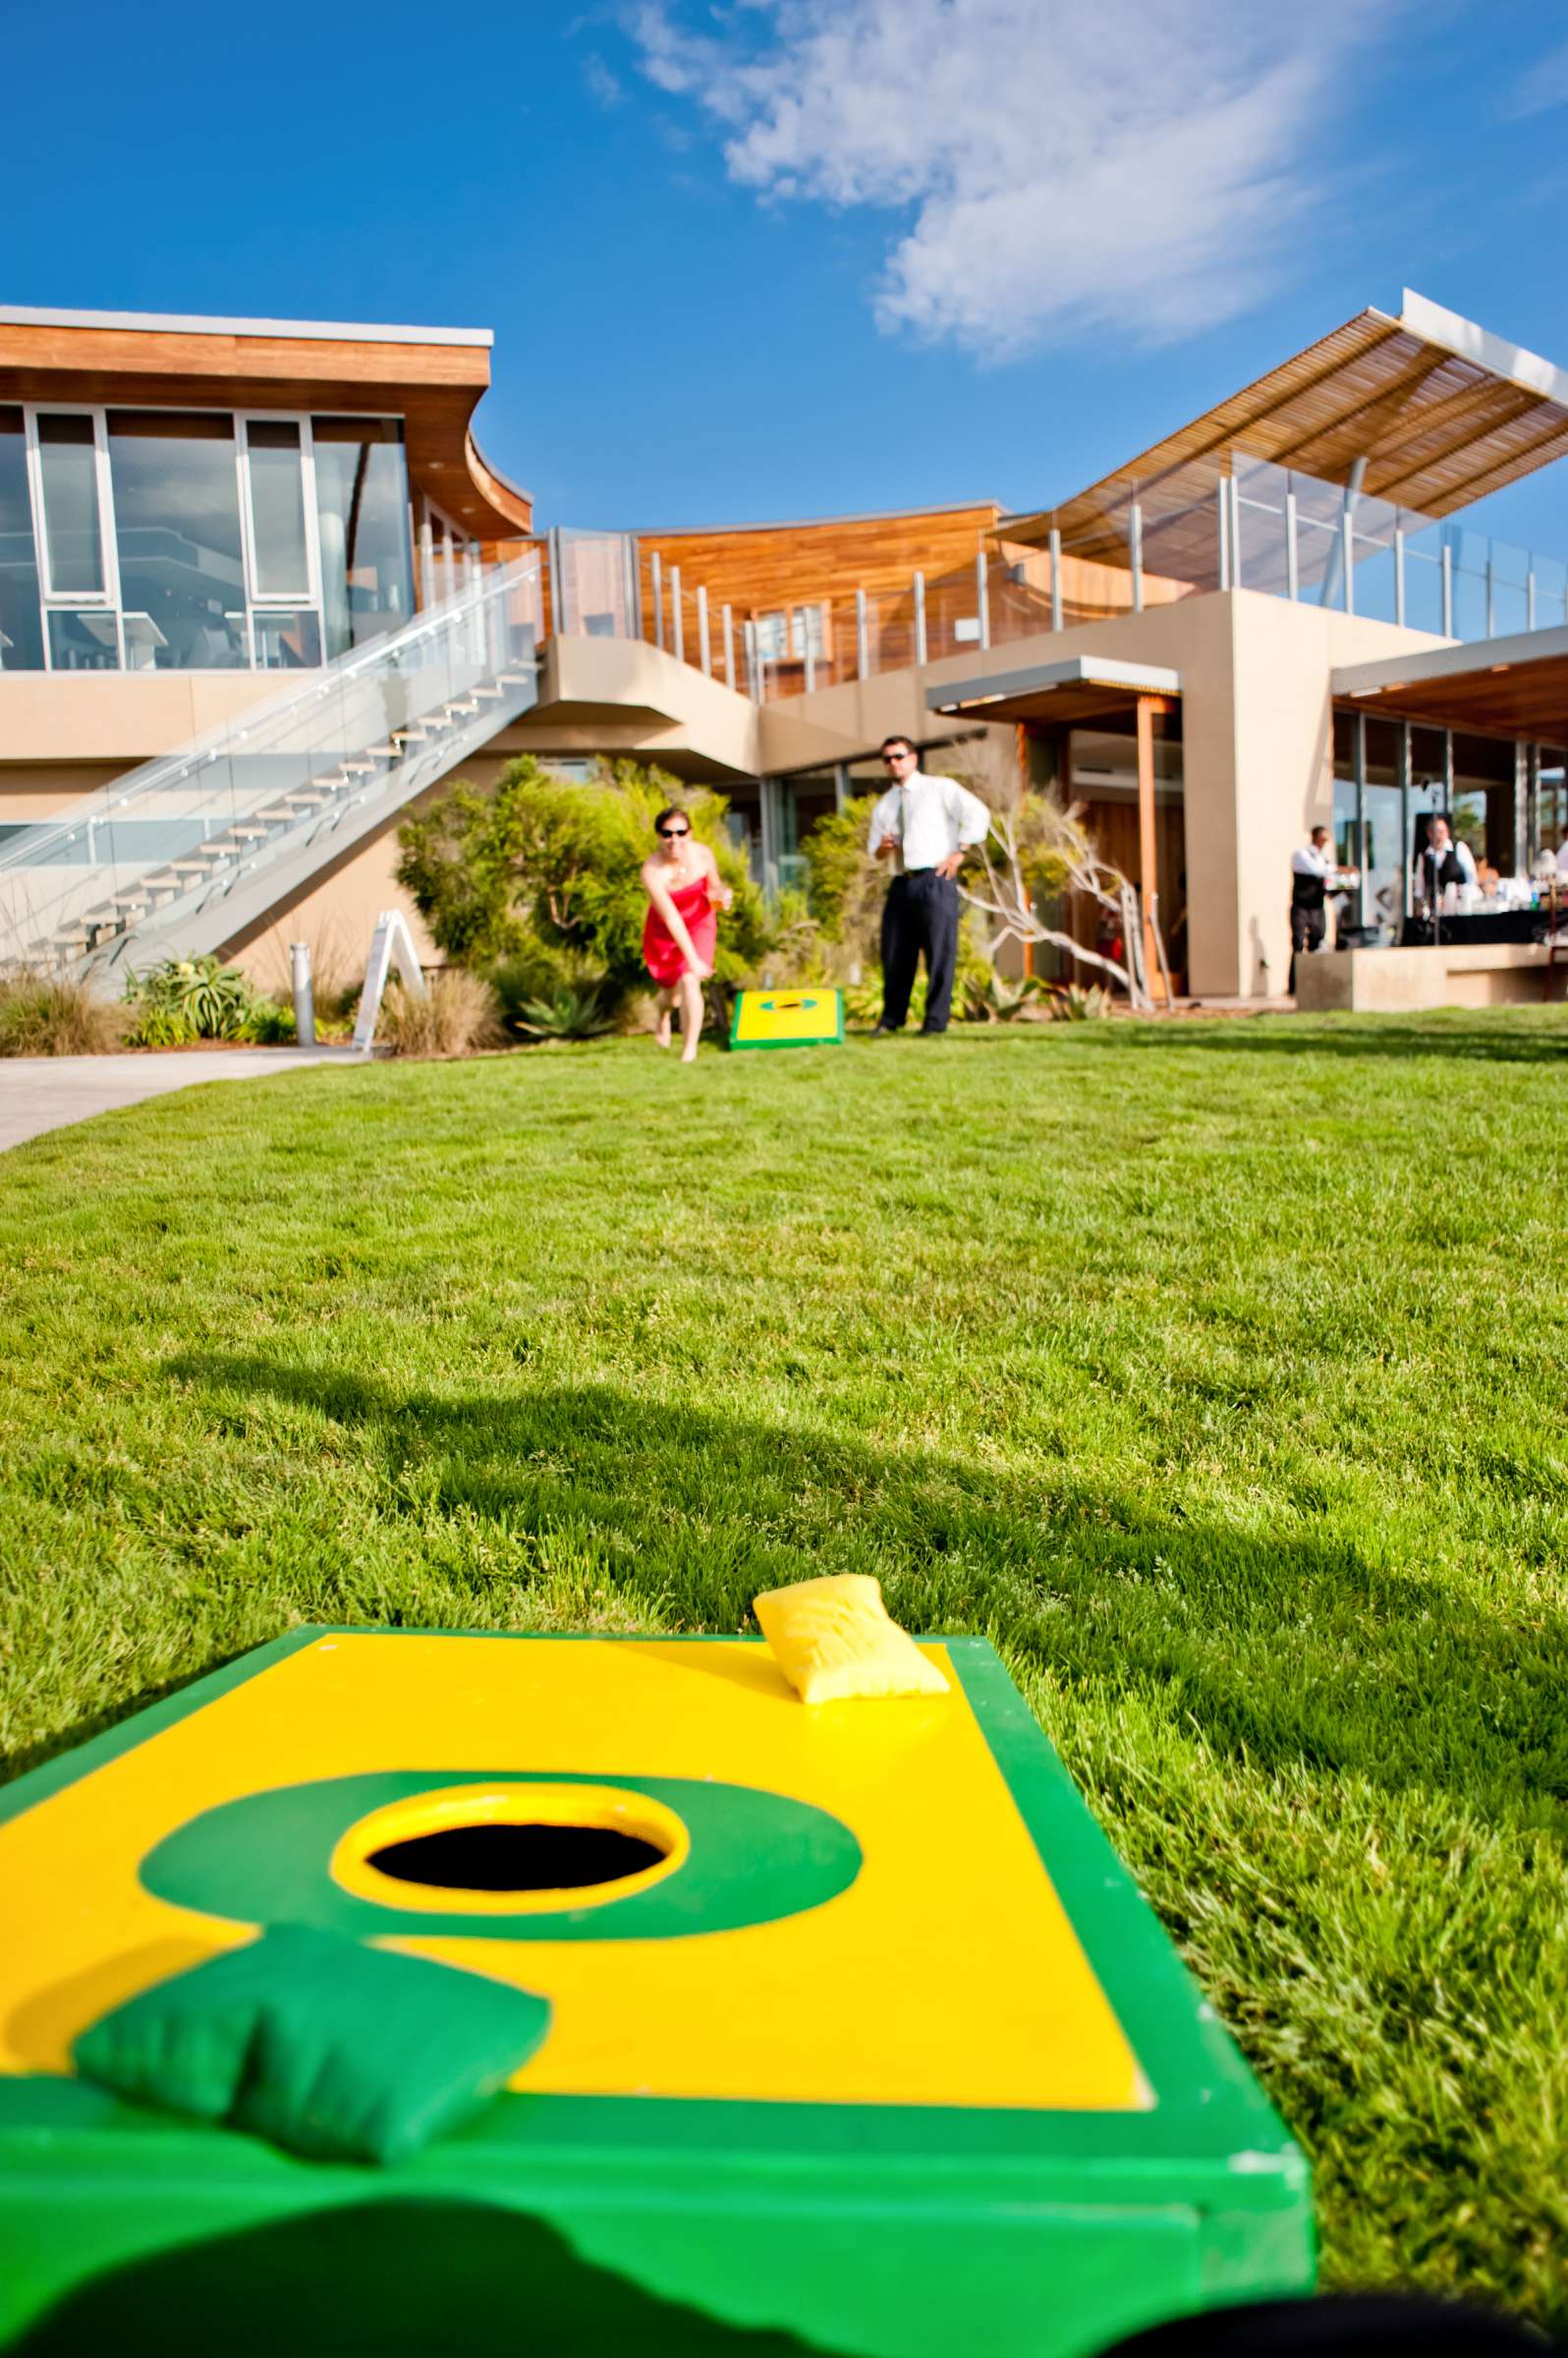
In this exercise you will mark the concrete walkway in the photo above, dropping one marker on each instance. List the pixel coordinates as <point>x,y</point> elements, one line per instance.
<point>46,1092</point>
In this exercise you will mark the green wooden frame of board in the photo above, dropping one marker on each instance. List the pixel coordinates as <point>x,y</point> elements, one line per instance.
<point>691,2226</point>
<point>818,1039</point>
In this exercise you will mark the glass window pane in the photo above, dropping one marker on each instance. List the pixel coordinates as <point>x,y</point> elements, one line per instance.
<point>21,634</point>
<point>361,505</point>
<point>84,641</point>
<point>277,508</point>
<point>177,528</point>
<point>286,641</point>
<point>69,463</point>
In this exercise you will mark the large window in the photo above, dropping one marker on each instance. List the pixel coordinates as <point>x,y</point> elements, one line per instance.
<point>361,505</point>
<point>21,632</point>
<point>177,533</point>
<point>197,540</point>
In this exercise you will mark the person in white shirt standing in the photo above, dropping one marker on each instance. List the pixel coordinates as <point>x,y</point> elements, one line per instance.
<point>926,825</point>
<point>1313,871</point>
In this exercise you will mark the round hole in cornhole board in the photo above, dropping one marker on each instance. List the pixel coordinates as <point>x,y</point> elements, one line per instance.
<point>499,1856</point>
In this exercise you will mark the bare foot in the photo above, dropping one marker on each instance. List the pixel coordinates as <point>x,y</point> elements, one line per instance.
<point>688,1052</point>
<point>661,1029</point>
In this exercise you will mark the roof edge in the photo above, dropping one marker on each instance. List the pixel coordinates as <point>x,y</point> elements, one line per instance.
<point>1420,316</point>
<point>293,332</point>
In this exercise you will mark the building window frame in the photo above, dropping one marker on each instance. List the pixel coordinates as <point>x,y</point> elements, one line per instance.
<point>105,600</point>
<point>108,600</point>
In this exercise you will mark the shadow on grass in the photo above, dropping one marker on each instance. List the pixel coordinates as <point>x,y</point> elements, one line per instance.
<point>1289,1651</point>
<point>1474,1040</point>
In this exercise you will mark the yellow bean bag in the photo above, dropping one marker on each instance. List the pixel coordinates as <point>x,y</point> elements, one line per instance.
<point>834,1641</point>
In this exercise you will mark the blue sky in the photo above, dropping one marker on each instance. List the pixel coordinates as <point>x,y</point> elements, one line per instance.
<point>784,257</point>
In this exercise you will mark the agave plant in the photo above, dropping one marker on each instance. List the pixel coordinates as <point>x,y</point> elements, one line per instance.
<point>1002,999</point>
<point>189,998</point>
<point>1075,1005</point>
<point>569,1012</point>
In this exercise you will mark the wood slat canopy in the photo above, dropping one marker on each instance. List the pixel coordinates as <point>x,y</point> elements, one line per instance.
<point>433,386</point>
<point>1514,686</point>
<point>1441,412</point>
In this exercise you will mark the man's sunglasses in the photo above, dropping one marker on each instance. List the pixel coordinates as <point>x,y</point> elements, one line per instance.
<point>677,832</point>
<point>889,759</point>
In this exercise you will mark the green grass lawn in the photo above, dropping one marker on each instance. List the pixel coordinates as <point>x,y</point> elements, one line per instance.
<point>1216,1372</point>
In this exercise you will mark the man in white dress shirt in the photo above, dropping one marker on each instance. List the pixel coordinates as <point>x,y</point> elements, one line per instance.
<point>925,826</point>
<point>1314,873</point>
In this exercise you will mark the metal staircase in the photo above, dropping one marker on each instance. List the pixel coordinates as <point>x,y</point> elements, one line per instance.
<point>181,855</point>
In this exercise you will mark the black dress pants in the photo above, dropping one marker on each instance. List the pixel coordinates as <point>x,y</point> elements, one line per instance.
<point>1307,927</point>
<point>920,913</point>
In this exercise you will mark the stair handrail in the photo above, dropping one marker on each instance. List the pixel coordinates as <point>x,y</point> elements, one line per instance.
<point>496,580</point>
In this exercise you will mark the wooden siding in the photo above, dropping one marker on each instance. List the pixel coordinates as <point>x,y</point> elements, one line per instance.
<point>434,388</point>
<point>764,569</point>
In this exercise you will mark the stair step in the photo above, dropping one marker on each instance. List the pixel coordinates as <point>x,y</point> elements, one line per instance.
<point>512,679</point>
<point>491,691</point>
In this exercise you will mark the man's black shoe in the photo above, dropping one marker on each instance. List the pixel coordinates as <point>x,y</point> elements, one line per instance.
<point>887,1030</point>
<point>933,1031</point>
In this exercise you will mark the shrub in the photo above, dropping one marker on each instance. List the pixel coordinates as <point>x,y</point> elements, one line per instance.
<point>189,998</point>
<point>270,1023</point>
<point>456,1015</point>
<point>51,1015</point>
<point>540,864</point>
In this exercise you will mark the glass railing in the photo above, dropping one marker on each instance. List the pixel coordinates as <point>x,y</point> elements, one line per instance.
<point>171,853</point>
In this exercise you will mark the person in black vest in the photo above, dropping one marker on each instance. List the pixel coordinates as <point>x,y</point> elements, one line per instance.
<point>1312,872</point>
<point>1443,865</point>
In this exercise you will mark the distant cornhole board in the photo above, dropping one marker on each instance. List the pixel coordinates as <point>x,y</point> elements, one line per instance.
<point>810,1017</point>
<point>860,2038</point>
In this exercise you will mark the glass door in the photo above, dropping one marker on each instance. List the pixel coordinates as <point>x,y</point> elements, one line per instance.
<point>68,460</point>
<point>277,491</point>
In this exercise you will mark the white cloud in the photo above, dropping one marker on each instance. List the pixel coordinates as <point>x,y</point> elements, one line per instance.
<point>603,88</point>
<point>1063,167</point>
<point>1543,85</point>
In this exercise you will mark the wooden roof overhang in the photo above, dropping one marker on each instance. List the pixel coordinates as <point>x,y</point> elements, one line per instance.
<point>1514,686</point>
<point>1441,412</point>
<point>1080,689</point>
<point>432,379</point>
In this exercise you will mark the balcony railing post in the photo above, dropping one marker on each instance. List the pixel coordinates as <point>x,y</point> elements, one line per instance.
<point>1292,552</point>
<point>862,637</point>
<point>1347,532</point>
<point>1223,502</point>
<point>1530,596</point>
<point>727,619</point>
<point>677,618</point>
<point>1056,579</point>
<point>634,584</point>
<point>920,622</point>
<point>657,572</point>
<point>1404,816</point>
<point>1135,550</point>
<point>703,641</point>
<point>1491,612</point>
<point>1399,591</point>
<point>983,602</point>
<point>1448,590</point>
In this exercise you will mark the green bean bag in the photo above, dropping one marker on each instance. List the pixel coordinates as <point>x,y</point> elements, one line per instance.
<point>326,2046</point>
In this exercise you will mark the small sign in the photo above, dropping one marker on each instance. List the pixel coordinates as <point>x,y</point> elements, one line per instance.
<point>810,1017</point>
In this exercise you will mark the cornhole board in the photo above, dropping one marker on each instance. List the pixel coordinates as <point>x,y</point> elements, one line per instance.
<point>878,2051</point>
<point>810,1017</point>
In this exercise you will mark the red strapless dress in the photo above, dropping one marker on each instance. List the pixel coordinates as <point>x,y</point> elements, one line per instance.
<point>662,954</point>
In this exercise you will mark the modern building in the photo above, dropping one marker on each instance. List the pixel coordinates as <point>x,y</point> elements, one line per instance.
<point>260,593</point>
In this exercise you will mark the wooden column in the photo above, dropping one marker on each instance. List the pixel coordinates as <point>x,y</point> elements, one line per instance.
<point>1147,858</point>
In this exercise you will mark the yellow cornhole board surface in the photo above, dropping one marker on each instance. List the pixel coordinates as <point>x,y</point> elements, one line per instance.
<point>809,1017</point>
<point>872,2042</point>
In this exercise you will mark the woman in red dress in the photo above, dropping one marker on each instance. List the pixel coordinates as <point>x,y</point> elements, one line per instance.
<point>683,885</point>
